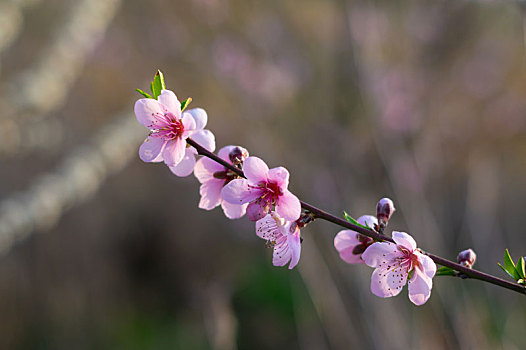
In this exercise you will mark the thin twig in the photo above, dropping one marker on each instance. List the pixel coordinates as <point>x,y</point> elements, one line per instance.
<point>370,233</point>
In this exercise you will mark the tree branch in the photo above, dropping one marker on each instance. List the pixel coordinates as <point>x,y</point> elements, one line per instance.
<point>318,213</point>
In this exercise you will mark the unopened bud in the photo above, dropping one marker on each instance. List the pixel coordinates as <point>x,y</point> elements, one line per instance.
<point>384,209</point>
<point>238,155</point>
<point>467,258</point>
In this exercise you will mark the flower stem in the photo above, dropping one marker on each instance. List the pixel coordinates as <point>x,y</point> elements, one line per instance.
<point>318,213</point>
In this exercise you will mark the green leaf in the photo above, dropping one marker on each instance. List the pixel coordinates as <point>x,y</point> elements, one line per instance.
<point>445,271</point>
<point>521,269</point>
<point>145,94</point>
<point>521,281</point>
<point>157,84</point>
<point>504,269</point>
<point>353,221</point>
<point>185,103</point>
<point>510,266</point>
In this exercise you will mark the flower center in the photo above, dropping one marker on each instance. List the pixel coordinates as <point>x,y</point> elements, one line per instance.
<point>167,127</point>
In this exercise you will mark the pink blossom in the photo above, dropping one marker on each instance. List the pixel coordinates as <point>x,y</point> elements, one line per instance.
<point>213,177</point>
<point>263,189</point>
<point>283,236</point>
<point>394,263</point>
<point>169,129</point>
<point>351,244</point>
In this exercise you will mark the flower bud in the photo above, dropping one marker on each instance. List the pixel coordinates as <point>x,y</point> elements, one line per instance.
<point>467,258</point>
<point>238,155</point>
<point>384,209</point>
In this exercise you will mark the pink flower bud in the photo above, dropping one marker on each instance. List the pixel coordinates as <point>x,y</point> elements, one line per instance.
<point>467,258</point>
<point>384,209</point>
<point>238,155</point>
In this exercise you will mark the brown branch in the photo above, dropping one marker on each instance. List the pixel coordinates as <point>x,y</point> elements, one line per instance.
<point>375,235</point>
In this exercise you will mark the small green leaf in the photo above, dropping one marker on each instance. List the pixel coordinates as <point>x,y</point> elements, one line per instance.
<point>510,266</point>
<point>445,271</point>
<point>353,221</point>
<point>185,103</point>
<point>157,84</point>
<point>521,269</point>
<point>145,94</point>
<point>504,269</point>
<point>152,89</point>
<point>521,281</point>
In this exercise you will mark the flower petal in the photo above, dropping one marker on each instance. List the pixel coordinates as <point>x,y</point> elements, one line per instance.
<point>428,265</point>
<point>189,125</point>
<point>205,168</point>
<point>419,287</point>
<point>267,228</point>
<point>186,165</point>
<point>280,176</point>
<point>379,253</point>
<point>168,99</point>
<point>388,283</point>
<point>282,253</point>
<point>288,206</point>
<point>257,209</point>
<point>205,138</point>
<point>345,242</point>
<point>239,191</point>
<point>255,170</point>
<point>210,192</point>
<point>294,243</point>
<point>405,240</point>
<point>174,151</point>
<point>151,148</point>
<point>233,211</point>
<point>146,109</point>
<point>200,117</point>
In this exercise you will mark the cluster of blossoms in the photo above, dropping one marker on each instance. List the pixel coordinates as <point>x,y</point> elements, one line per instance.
<point>263,195</point>
<point>394,263</point>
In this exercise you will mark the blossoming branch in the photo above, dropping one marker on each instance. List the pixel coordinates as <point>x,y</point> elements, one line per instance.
<point>243,184</point>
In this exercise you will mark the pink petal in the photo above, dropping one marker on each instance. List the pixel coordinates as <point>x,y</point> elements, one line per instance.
<point>145,111</point>
<point>267,228</point>
<point>288,206</point>
<point>379,253</point>
<point>388,283</point>
<point>294,243</point>
<point>151,148</point>
<point>189,125</point>
<point>200,117</point>
<point>345,242</point>
<point>255,170</point>
<point>280,176</point>
<point>419,287</point>
<point>210,194</point>
<point>282,253</point>
<point>403,239</point>
<point>170,102</point>
<point>186,165</point>
<point>239,191</point>
<point>257,210</point>
<point>233,211</point>
<point>205,138</point>
<point>174,151</point>
<point>205,168</point>
<point>428,265</point>
<point>368,220</point>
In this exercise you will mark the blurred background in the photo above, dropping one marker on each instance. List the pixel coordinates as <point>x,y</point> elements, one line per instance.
<point>421,101</point>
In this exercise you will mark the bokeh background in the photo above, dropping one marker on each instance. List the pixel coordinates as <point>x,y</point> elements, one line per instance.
<point>421,101</point>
